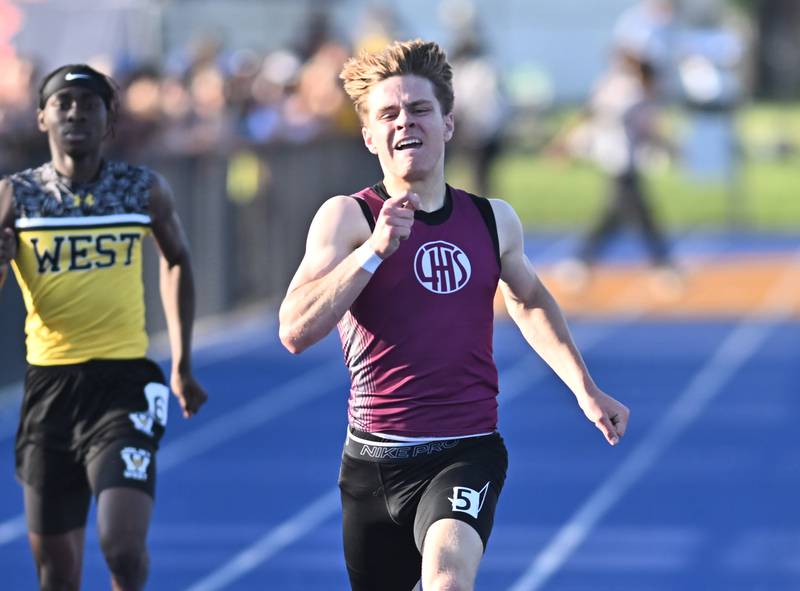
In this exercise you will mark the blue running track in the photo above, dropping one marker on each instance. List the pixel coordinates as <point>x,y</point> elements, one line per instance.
<point>701,495</point>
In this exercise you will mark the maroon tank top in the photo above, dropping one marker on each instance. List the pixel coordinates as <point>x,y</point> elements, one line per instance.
<point>418,339</point>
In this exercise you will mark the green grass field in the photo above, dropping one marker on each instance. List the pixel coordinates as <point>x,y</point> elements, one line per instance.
<point>766,196</point>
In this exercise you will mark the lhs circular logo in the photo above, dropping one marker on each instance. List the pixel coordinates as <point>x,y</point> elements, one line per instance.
<point>442,267</point>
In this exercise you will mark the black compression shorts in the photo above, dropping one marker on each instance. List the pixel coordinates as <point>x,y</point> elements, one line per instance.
<point>85,428</point>
<point>392,494</point>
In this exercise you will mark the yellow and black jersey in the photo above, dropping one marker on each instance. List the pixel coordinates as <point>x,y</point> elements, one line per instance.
<point>79,263</point>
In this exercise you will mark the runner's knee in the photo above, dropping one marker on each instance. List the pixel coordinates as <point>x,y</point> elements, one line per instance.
<point>58,560</point>
<point>126,558</point>
<point>448,571</point>
<point>447,581</point>
<point>53,578</point>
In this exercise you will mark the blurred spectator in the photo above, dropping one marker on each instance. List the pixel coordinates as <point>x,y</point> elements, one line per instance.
<point>378,27</point>
<point>19,135</point>
<point>319,95</point>
<point>620,123</point>
<point>205,51</point>
<point>207,89</point>
<point>243,68</point>
<point>263,119</point>
<point>140,118</point>
<point>317,32</point>
<point>176,103</point>
<point>204,99</point>
<point>10,23</point>
<point>647,29</point>
<point>480,108</point>
<point>710,54</point>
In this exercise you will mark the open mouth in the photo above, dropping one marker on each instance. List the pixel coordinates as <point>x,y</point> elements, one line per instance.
<point>408,144</point>
<point>75,135</point>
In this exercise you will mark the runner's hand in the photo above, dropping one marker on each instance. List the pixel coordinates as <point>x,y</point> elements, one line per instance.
<point>394,224</point>
<point>189,392</point>
<point>607,414</point>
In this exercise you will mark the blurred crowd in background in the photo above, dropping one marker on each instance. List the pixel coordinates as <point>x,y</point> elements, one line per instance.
<point>205,97</point>
<point>201,99</point>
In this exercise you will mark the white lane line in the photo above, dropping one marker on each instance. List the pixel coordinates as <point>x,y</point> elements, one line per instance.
<point>10,397</point>
<point>269,405</point>
<point>272,542</point>
<point>12,529</point>
<point>274,403</point>
<point>9,394</point>
<point>519,378</point>
<point>737,348</point>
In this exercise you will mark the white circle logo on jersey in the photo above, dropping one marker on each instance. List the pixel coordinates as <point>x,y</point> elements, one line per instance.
<point>442,267</point>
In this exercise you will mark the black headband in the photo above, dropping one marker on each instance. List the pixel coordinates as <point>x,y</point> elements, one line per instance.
<point>81,76</point>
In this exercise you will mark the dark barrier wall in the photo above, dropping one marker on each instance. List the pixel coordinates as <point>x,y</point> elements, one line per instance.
<point>246,215</point>
<point>12,337</point>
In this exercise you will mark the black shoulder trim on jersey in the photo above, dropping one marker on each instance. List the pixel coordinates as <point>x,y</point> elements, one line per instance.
<point>362,203</point>
<point>380,190</point>
<point>487,213</point>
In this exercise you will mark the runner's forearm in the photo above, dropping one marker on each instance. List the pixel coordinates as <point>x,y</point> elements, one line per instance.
<point>312,310</point>
<point>543,324</point>
<point>178,299</point>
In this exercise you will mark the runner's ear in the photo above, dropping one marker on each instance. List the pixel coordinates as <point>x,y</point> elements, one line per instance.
<point>449,126</point>
<point>367,135</point>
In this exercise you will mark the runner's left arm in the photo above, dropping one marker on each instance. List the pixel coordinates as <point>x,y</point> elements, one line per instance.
<point>8,238</point>
<point>543,325</point>
<point>177,294</point>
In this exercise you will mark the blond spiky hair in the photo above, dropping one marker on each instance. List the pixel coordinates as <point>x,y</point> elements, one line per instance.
<point>417,57</point>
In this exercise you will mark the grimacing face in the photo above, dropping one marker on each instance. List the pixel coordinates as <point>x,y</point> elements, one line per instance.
<point>405,127</point>
<point>75,119</point>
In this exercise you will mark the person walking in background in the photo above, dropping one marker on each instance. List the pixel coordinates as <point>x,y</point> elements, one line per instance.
<point>408,269</point>
<point>620,122</point>
<point>94,407</point>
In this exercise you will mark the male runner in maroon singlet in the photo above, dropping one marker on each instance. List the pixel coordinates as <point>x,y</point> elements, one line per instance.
<point>408,270</point>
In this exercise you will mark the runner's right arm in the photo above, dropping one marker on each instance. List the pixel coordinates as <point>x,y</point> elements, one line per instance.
<point>8,238</point>
<point>330,276</point>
